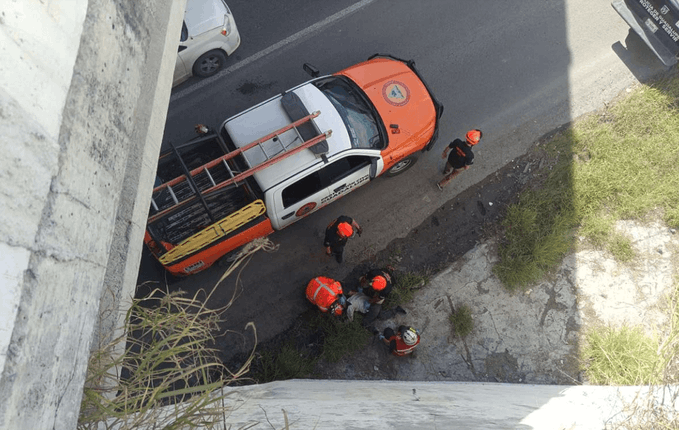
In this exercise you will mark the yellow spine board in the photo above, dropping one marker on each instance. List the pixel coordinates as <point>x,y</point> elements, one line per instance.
<point>214,232</point>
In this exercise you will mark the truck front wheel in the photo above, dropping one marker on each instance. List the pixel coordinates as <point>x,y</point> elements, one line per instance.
<point>402,166</point>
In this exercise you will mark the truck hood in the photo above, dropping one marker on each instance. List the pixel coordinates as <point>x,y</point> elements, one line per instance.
<point>269,116</point>
<point>400,98</point>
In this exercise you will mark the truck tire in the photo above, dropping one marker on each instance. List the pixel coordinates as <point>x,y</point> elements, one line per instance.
<point>229,257</point>
<point>402,166</point>
<point>209,63</point>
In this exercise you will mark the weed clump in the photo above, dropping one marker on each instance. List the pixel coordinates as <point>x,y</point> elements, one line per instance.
<point>624,356</point>
<point>166,355</point>
<point>462,321</point>
<point>404,290</point>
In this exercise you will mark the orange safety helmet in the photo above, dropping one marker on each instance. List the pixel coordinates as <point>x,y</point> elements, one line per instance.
<point>378,283</point>
<point>326,293</point>
<point>345,230</point>
<point>336,309</point>
<point>474,136</point>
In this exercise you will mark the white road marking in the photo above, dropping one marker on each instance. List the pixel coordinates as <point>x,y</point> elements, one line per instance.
<point>294,38</point>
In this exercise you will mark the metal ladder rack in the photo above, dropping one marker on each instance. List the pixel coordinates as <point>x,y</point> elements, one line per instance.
<point>234,177</point>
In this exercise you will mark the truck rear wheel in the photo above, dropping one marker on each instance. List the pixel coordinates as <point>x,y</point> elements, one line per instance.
<point>229,257</point>
<point>402,166</point>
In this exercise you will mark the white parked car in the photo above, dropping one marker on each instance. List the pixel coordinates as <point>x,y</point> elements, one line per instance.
<point>209,35</point>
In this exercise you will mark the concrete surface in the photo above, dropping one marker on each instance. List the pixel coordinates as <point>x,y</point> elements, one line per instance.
<point>84,87</point>
<point>393,405</point>
<point>530,336</point>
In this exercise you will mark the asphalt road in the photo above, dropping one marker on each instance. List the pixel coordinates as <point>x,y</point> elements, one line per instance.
<point>514,69</point>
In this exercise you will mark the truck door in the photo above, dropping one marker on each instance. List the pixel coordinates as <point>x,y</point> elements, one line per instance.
<point>297,199</point>
<point>345,175</point>
<point>321,187</point>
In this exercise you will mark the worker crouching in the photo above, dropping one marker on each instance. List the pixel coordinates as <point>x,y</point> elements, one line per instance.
<point>327,295</point>
<point>402,342</point>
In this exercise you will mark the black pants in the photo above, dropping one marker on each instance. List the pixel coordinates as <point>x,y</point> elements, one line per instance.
<point>338,252</point>
<point>377,313</point>
<point>372,315</point>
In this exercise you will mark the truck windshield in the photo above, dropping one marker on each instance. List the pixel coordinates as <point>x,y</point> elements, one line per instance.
<point>359,115</point>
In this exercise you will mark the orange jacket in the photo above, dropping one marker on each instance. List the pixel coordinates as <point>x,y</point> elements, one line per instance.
<point>323,292</point>
<point>401,347</point>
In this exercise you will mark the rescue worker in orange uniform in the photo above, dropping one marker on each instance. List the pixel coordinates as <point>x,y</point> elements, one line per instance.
<point>326,294</point>
<point>337,233</point>
<point>377,284</point>
<point>461,156</point>
<point>403,342</point>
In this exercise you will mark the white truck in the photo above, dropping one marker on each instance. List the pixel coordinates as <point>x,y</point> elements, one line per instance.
<point>286,157</point>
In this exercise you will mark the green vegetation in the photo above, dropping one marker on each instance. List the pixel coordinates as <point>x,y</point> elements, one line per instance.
<point>462,320</point>
<point>342,337</point>
<point>615,165</point>
<point>338,338</point>
<point>403,291</point>
<point>167,359</point>
<point>626,356</point>
<point>619,164</point>
<point>621,247</point>
<point>288,363</point>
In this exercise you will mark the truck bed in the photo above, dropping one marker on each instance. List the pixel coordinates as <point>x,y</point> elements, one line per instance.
<point>184,220</point>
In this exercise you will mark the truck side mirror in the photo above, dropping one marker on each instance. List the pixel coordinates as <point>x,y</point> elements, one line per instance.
<point>311,70</point>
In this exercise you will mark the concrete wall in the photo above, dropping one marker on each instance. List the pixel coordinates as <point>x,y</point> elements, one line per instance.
<point>84,87</point>
<point>407,405</point>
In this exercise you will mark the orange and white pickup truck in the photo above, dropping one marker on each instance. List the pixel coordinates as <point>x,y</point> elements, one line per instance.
<point>287,157</point>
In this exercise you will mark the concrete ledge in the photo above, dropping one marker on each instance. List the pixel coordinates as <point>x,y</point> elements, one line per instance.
<point>396,405</point>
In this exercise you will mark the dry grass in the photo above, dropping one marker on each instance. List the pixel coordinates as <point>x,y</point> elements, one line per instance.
<point>168,359</point>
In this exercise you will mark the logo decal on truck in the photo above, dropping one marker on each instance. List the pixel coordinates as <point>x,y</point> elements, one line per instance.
<point>396,93</point>
<point>345,189</point>
<point>305,209</point>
